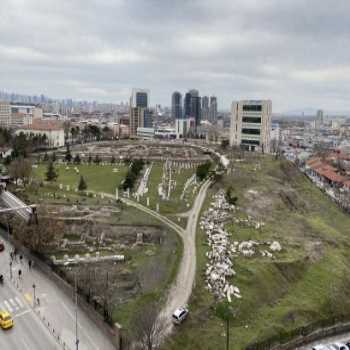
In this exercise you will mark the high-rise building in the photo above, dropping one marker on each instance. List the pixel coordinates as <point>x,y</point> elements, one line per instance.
<point>187,105</point>
<point>213,109</point>
<point>139,98</point>
<point>251,124</point>
<point>205,108</point>
<point>5,114</point>
<point>176,105</point>
<point>319,119</point>
<point>138,110</point>
<point>147,118</point>
<point>196,110</point>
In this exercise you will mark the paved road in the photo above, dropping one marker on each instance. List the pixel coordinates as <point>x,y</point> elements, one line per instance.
<point>28,333</point>
<point>31,331</point>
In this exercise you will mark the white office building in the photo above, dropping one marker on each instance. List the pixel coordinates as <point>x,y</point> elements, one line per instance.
<point>251,124</point>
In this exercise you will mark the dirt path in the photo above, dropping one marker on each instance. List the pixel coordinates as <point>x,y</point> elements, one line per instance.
<point>181,289</point>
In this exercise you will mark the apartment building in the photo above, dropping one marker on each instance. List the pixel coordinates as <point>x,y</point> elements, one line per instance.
<point>5,114</point>
<point>251,124</point>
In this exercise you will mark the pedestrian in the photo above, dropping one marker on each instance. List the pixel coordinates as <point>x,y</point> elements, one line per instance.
<point>11,256</point>
<point>19,273</point>
<point>20,258</point>
<point>29,264</point>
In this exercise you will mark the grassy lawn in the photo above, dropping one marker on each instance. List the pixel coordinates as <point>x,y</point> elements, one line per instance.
<point>307,281</point>
<point>175,204</point>
<point>100,178</point>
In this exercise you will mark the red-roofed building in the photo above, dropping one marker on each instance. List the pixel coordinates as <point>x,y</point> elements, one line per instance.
<point>53,130</point>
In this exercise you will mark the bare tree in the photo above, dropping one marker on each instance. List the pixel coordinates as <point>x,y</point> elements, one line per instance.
<point>147,328</point>
<point>20,169</point>
<point>37,237</point>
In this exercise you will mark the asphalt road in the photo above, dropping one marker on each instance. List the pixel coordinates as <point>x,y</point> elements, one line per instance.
<point>28,332</point>
<point>31,330</point>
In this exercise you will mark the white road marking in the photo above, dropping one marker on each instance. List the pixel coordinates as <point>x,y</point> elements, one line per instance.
<point>8,306</point>
<point>18,300</point>
<point>14,304</point>
<point>22,313</point>
<point>2,307</point>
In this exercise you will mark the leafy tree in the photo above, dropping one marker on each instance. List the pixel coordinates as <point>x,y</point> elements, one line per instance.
<point>77,159</point>
<point>82,186</point>
<point>68,155</point>
<point>51,173</point>
<point>203,170</point>
<point>132,174</point>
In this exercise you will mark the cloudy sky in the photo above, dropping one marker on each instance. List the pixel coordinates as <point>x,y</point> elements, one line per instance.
<point>295,52</point>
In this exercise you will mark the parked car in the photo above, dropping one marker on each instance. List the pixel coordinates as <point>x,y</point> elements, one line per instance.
<point>338,346</point>
<point>180,315</point>
<point>334,346</point>
<point>2,246</point>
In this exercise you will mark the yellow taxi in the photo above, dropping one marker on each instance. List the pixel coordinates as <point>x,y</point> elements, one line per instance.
<point>6,320</point>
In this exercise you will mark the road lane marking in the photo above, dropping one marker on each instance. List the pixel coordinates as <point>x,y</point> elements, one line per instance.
<point>23,313</point>
<point>8,306</point>
<point>19,302</point>
<point>15,306</point>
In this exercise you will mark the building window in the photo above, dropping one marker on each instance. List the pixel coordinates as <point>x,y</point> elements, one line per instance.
<point>250,142</point>
<point>255,120</point>
<point>252,108</point>
<point>251,131</point>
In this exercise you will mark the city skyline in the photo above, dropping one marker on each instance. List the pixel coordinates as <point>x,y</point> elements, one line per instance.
<point>233,50</point>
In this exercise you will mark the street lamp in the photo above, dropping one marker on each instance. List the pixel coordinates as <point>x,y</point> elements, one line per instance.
<point>34,286</point>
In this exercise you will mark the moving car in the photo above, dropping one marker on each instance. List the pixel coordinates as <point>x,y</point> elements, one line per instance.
<point>6,320</point>
<point>180,315</point>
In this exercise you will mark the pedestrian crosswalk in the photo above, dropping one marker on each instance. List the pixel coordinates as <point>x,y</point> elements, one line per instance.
<point>12,305</point>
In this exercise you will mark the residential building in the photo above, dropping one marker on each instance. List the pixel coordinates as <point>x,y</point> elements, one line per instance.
<point>176,105</point>
<point>184,126</point>
<point>5,114</point>
<point>213,109</point>
<point>53,130</point>
<point>138,109</point>
<point>251,125</point>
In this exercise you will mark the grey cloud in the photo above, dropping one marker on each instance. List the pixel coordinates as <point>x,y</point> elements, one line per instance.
<point>293,51</point>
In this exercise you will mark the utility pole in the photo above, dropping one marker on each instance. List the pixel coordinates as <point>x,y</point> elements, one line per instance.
<point>76,313</point>
<point>34,294</point>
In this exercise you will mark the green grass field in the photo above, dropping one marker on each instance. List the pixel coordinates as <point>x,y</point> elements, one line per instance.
<point>99,178</point>
<point>175,204</point>
<point>307,281</point>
